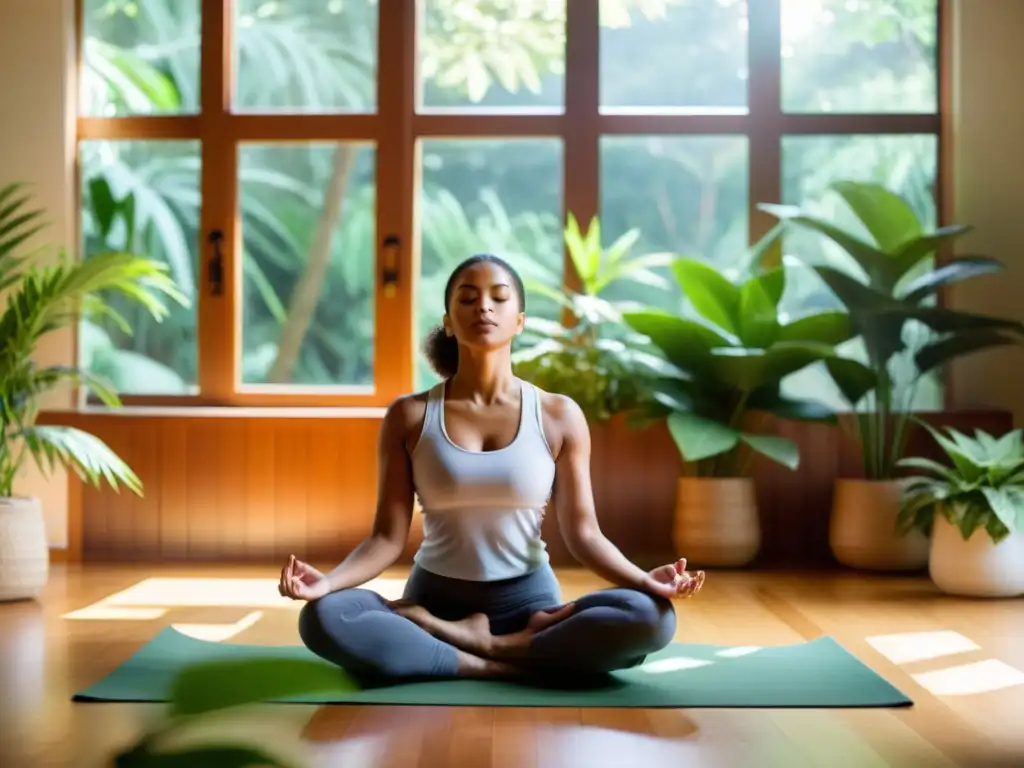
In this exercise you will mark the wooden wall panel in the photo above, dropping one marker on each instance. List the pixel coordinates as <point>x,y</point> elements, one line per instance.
<point>256,488</point>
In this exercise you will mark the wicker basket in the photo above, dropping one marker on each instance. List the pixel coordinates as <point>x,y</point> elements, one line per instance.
<point>24,554</point>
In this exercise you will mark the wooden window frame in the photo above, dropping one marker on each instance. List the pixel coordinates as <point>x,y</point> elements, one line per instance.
<point>396,128</point>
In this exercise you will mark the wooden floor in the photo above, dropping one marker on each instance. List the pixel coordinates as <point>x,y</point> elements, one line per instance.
<point>961,661</point>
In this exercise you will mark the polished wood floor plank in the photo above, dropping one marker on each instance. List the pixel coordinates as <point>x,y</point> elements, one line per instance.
<point>93,617</point>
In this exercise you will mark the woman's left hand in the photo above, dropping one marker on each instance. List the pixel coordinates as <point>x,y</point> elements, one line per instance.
<point>672,581</point>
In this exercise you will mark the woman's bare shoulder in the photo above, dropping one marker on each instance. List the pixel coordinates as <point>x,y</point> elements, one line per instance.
<point>403,420</point>
<point>564,420</point>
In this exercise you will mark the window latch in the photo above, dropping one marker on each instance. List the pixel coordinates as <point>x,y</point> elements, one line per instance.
<point>215,266</point>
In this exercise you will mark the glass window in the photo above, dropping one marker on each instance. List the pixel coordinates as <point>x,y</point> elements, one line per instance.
<point>859,56</point>
<point>506,56</point>
<point>674,57</point>
<point>139,58</point>
<point>488,196</point>
<point>685,195</point>
<point>143,197</point>
<point>300,56</point>
<point>308,255</point>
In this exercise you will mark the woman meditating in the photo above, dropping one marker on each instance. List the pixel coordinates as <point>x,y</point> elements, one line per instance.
<point>484,452</point>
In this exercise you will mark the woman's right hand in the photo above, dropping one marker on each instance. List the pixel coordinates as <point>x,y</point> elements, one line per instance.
<point>301,581</point>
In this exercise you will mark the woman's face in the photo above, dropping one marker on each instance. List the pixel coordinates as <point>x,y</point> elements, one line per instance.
<point>484,311</point>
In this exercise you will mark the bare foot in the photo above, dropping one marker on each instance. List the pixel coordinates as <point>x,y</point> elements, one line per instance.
<point>471,634</point>
<point>517,644</point>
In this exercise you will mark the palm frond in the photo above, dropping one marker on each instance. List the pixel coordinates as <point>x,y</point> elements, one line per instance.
<point>90,458</point>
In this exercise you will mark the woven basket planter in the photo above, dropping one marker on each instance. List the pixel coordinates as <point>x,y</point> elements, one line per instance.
<point>24,554</point>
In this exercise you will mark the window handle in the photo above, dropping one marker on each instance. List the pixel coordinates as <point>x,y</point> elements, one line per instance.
<point>389,274</point>
<point>215,266</point>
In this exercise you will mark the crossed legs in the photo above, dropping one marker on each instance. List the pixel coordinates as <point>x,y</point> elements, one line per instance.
<point>381,640</point>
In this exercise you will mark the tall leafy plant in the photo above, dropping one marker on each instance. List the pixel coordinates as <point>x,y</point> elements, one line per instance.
<point>43,298</point>
<point>892,302</point>
<point>593,356</point>
<point>731,359</point>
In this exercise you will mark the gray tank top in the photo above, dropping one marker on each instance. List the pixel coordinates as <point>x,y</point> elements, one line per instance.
<point>483,510</point>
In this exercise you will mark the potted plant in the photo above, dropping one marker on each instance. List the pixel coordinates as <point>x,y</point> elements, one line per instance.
<point>973,510</point>
<point>904,336</point>
<point>42,299</point>
<point>732,358</point>
<point>592,356</point>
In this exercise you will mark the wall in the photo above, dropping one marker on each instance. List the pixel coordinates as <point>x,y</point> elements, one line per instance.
<point>988,186</point>
<point>37,147</point>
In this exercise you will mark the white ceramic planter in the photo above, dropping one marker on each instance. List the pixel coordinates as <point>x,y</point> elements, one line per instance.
<point>716,521</point>
<point>862,529</point>
<point>976,567</point>
<point>24,554</point>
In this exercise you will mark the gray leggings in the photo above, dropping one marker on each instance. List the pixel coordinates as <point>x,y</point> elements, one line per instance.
<point>608,630</point>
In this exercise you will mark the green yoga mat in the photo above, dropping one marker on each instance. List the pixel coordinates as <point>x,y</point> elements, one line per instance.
<point>819,673</point>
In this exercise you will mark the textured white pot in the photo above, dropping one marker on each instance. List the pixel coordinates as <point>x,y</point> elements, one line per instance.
<point>24,554</point>
<point>976,567</point>
<point>716,521</point>
<point>862,530</point>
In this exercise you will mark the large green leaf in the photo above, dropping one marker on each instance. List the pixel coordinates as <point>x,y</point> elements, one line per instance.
<point>748,369</point>
<point>768,399</point>
<point>713,296</point>
<point>779,449</point>
<point>208,686</point>
<point>938,353</point>
<point>886,215</point>
<point>954,271</point>
<point>685,343</point>
<point>911,253</point>
<point>831,327</point>
<point>853,378</point>
<point>699,438</point>
<point>875,263</point>
<point>758,309</point>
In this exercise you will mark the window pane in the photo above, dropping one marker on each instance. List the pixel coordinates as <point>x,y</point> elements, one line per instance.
<point>143,197</point>
<point>309,57</point>
<point>670,56</point>
<point>483,196</point>
<point>684,194</point>
<point>906,164</point>
<point>498,56</point>
<point>308,241</point>
<point>859,56</point>
<point>139,58</point>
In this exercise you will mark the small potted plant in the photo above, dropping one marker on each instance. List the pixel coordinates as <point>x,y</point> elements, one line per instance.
<point>889,290</point>
<point>973,510</point>
<point>43,298</point>
<point>731,360</point>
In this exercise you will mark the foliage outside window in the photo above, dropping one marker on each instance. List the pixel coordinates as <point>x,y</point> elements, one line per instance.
<point>677,172</point>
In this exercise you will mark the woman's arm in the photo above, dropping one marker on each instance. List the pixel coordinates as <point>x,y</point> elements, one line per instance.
<point>391,524</point>
<point>574,500</point>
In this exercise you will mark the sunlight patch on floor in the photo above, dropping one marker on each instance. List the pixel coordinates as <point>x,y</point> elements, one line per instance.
<point>968,679</point>
<point>673,665</point>
<point>920,646</point>
<point>218,633</point>
<point>735,653</point>
<point>242,593</point>
<point>102,612</point>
